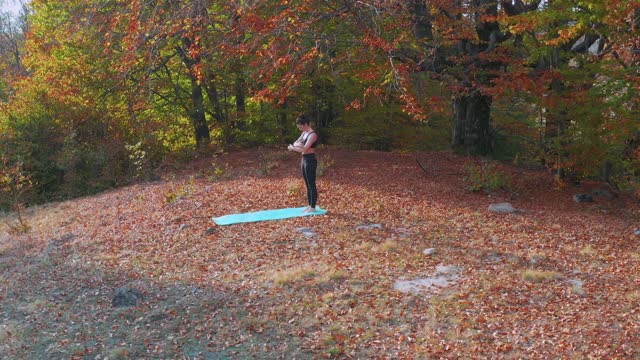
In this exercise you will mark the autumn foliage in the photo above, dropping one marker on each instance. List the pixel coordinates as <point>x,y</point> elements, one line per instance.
<point>176,78</point>
<point>126,125</point>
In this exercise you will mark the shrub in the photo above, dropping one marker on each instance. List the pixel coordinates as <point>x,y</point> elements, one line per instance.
<point>324,164</point>
<point>485,176</point>
<point>14,184</point>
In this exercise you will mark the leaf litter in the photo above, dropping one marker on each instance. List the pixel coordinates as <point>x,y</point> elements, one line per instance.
<point>268,290</point>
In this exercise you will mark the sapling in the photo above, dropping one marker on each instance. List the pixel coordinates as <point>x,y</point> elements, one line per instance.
<point>14,184</point>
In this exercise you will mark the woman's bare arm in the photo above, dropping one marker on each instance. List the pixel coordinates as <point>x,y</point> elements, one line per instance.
<point>303,149</point>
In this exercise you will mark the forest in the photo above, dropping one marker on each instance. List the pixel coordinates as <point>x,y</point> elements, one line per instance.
<point>97,94</point>
<point>478,171</point>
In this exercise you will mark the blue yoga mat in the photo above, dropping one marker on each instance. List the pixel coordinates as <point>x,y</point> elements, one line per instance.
<point>265,215</point>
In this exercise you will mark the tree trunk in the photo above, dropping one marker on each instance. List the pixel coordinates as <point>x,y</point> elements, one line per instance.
<point>197,115</point>
<point>472,126</point>
<point>212,94</point>
<point>422,28</point>
<point>324,112</point>
<point>556,123</point>
<point>240,96</point>
<point>240,102</point>
<point>283,120</point>
<point>218,114</point>
<point>196,112</point>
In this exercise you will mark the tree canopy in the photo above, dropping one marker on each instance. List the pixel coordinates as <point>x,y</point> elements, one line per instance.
<point>96,93</point>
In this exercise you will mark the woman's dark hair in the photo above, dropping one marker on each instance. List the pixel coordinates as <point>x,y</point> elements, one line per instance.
<point>302,120</point>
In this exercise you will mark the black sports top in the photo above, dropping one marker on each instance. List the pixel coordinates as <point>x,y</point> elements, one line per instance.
<point>304,139</point>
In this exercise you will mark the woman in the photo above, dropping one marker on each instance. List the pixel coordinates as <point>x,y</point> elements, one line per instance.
<point>306,145</point>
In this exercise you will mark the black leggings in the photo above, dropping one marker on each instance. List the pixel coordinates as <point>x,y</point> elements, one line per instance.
<point>309,166</point>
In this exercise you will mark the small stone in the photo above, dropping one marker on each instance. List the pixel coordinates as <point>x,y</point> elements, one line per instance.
<point>369,227</point>
<point>66,238</point>
<point>308,232</point>
<point>502,208</point>
<point>126,297</point>
<point>574,63</point>
<point>581,198</point>
<point>492,256</point>
<point>448,270</point>
<point>537,259</point>
<point>429,251</point>
<point>577,287</point>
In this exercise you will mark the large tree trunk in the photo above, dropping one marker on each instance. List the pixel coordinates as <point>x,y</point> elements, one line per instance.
<point>472,125</point>
<point>472,110</point>
<point>472,132</point>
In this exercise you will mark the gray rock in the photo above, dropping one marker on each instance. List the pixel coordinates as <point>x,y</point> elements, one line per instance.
<point>369,227</point>
<point>502,208</point>
<point>445,276</point>
<point>62,240</point>
<point>66,238</point>
<point>419,285</point>
<point>581,44</point>
<point>537,259</point>
<point>596,47</point>
<point>308,232</point>
<point>577,286</point>
<point>492,256</point>
<point>126,297</point>
<point>448,270</point>
<point>575,64</point>
<point>429,251</point>
<point>602,80</point>
<point>581,198</point>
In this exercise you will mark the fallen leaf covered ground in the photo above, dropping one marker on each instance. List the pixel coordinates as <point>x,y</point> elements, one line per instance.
<point>557,280</point>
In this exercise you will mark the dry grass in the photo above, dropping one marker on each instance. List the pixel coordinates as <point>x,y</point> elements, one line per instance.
<point>119,354</point>
<point>389,246</point>
<point>588,250</point>
<point>337,275</point>
<point>292,275</point>
<point>294,188</point>
<point>539,275</point>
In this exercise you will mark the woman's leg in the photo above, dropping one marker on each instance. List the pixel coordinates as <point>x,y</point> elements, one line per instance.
<point>305,176</point>
<point>309,166</point>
